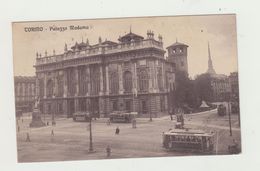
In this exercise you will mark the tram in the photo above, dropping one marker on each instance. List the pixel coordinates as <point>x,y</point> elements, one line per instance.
<point>81,117</point>
<point>120,116</point>
<point>188,141</point>
<point>221,110</point>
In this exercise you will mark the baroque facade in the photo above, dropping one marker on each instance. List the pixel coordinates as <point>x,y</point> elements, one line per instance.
<point>129,75</point>
<point>24,92</point>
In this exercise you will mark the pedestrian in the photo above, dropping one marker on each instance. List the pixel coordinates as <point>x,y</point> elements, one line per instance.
<point>134,123</point>
<point>108,121</point>
<point>117,130</point>
<point>28,137</point>
<point>52,132</point>
<point>108,149</point>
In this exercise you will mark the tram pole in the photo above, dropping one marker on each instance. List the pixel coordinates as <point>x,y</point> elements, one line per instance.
<point>90,136</point>
<point>91,149</point>
<point>229,117</point>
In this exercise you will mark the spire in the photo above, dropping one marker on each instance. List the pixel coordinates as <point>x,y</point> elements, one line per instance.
<point>211,70</point>
<point>65,47</point>
<point>99,40</point>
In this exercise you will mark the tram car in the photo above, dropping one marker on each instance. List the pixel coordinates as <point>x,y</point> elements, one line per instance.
<point>185,140</point>
<point>123,117</point>
<point>222,110</point>
<point>81,117</point>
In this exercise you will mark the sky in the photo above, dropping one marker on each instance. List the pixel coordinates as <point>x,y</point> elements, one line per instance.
<point>195,31</point>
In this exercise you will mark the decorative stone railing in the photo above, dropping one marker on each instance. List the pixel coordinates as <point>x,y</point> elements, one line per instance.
<point>148,43</point>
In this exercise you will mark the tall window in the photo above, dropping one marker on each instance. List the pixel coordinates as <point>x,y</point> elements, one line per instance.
<point>41,87</point>
<point>128,83</point>
<point>94,79</point>
<point>114,82</point>
<point>71,82</point>
<point>82,80</point>
<point>60,85</point>
<point>83,104</point>
<point>143,80</point>
<point>49,88</point>
<point>159,79</point>
<point>26,89</point>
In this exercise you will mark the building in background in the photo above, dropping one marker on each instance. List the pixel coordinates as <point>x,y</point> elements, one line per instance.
<point>233,79</point>
<point>219,82</point>
<point>130,75</point>
<point>24,92</point>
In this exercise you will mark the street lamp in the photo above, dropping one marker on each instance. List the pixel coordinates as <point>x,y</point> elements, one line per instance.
<point>229,115</point>
<point>90,128</point>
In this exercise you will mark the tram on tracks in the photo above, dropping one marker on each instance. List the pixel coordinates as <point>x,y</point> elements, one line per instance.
<point>189,141</point>
<point>125,117</point>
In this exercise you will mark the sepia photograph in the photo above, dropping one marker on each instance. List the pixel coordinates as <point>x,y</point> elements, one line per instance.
<point>136,87</point>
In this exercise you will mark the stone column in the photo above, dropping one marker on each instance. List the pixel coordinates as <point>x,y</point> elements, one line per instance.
<point>101,80</point>
<point>150,74</point>
<point>77,80</point>
<point>156,87</point>
<point>65,83</point>
<point>107,81</point>
<point>56,84</point>
<point>88,80</point>
<point>45,86</point>
<point>163,77</point>
<point>120,74</point>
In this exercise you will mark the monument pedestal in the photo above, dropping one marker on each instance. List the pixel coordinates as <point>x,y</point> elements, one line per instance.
<point>36,119</point>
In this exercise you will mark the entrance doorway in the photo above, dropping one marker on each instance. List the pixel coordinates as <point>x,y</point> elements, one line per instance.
<point>71,108</point>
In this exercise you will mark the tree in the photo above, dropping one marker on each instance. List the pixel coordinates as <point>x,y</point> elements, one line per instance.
<point>203,87</point>
<point>184,94</point>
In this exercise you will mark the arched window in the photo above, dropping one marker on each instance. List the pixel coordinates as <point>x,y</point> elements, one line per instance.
<point>143,80</point>
<point>114,82</point>
<point>49,88</point>
<point>128,83</point>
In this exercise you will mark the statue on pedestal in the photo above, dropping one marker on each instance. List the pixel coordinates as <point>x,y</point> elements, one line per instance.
<point>36,115</point>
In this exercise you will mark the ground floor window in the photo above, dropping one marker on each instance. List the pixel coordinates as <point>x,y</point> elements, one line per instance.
<point>144,106</point>
<point>128,106</point>
<point>49,108</point>
<point>60,109</point>
<point>82,105</point>
<point>114,105</point>
<point>162,101</point>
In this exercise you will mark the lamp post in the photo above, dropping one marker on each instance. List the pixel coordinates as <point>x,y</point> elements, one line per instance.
<point>90,129</point>
<point>53,111</point>
<point>229,115</point>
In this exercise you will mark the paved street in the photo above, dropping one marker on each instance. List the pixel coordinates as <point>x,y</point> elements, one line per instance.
<point>71,139</point>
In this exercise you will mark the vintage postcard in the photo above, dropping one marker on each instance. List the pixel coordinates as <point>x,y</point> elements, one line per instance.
<point>126,88</point>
